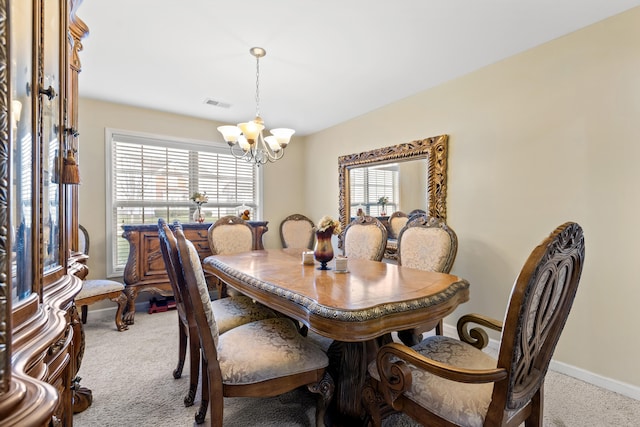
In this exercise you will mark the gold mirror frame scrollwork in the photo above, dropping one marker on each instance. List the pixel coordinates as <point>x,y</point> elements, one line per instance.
<point>433,149</point>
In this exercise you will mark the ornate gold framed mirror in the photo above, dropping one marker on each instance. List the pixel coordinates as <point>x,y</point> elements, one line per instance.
<point>428,160</point>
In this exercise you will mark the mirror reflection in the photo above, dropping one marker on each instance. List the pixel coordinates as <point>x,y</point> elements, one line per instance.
<point>380,190</point>
<point>401,177</point>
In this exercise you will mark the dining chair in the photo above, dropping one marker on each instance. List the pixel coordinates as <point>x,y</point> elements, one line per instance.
<point>264,358</point>
<point>416,212</point>
<point>95,290</point>
<point>296,231</point>
<point>429,244</point>
<point>230,312</point>
<point>229,235</point>
<point>449,382</point>
<point>397,221</point>
<point>365,238</point>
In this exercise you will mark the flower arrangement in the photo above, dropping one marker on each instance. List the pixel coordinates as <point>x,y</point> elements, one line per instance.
<point>383,201</point>
<point>199,198</point>
<point>327,222</point>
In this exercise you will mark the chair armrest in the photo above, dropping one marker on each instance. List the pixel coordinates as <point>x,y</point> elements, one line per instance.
<point>475,336</point>
<point>396,375</point>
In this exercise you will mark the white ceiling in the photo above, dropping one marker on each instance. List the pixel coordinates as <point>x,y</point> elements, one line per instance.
<point>327,60</point>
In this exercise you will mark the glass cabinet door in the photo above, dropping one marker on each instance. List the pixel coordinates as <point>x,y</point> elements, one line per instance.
<point>22,149</point>
<point>52,134</point>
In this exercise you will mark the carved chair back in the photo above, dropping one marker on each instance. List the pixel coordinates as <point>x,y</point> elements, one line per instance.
<point>540,303</point>
<point>229,235</point>
<point>169,250</point>
<point>83,240</point>
<point>296,231</point>
<point>427,243</point>
<point>397,221</point>
<point>365,238</point>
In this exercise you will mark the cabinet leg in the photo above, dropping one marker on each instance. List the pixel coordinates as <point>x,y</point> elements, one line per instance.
<point>82,396</point>
<point>121,300</point>
<point>130,313</point>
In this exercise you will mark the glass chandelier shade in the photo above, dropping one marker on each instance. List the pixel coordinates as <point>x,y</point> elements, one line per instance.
<point>246,140</point>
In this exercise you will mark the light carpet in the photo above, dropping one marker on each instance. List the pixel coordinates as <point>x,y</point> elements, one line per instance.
<point>130,375</point>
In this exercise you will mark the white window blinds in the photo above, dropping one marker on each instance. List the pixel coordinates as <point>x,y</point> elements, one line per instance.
<point>369,184</point>
<point>154,177</point>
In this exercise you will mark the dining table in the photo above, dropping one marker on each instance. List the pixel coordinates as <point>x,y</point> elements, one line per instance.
<point>357,308</point>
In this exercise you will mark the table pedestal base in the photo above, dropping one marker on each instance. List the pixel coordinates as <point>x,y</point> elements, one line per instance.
<point>348,363</point>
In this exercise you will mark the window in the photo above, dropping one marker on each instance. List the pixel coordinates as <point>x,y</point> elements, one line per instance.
<point>154,177</point>
<point>370,184</point>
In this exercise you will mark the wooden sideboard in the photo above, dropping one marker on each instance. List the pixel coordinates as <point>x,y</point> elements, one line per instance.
<point>145,270</point>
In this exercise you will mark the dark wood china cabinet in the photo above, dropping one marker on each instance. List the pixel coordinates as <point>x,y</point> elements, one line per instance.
<point>40,335</point>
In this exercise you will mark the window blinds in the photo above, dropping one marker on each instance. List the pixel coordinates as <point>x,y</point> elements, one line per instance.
<point>154,178</point>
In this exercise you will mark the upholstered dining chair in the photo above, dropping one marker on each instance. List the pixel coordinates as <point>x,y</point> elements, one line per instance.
<point>448,382</point>
<point>229,235</point>
<point>230,312</point>
<point>94,290</point>
<point>397,221</point>
<point>416,212</point>
<point>296,231</point>
<point>426,243</point>
<point>365,238</point>
<point>264,358</point>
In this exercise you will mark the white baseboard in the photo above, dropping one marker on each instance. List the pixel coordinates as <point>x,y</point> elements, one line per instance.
<point>610,384</point>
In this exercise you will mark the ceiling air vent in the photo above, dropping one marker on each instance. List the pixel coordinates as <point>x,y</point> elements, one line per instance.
<point>215,103</point>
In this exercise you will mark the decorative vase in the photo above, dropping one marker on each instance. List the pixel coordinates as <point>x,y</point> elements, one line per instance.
<point>323,251</point>
<point>198,216</point>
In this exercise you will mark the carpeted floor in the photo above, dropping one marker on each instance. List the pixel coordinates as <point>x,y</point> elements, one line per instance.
<point>130,375</point>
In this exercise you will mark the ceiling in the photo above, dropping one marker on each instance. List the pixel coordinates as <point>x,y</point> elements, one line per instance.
<point>327,61</point>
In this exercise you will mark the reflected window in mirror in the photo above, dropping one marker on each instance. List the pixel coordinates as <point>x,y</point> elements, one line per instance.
<point>370,185</point>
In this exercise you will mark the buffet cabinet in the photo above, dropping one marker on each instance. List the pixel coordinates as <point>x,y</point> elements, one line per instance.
<point>145,270</point>
<point>40,335</point>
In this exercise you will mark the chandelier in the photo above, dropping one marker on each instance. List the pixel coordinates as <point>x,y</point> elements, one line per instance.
<point>246,141</point>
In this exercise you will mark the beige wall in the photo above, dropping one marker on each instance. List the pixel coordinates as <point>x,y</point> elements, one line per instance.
<point>541,138</point>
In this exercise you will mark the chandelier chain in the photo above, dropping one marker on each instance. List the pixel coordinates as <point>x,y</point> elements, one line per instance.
<point>257,86</point>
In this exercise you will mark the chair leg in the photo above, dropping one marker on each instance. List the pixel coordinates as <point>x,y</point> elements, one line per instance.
<point>372,401</point>
<point>440,328</point>
<point>324,388</point>
<point>121,300</point>
<point>194,367</point>
<point>204,402</point>
<point>83,316</point>
<point>537,406</point>
<point>182,349</point>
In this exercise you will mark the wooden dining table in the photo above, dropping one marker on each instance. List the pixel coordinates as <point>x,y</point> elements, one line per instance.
<point>357,309</point>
